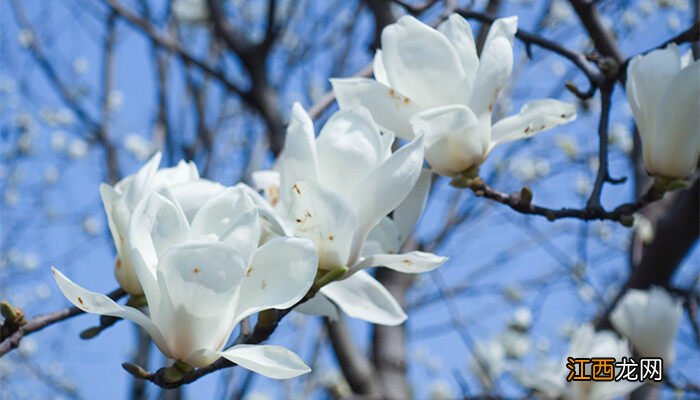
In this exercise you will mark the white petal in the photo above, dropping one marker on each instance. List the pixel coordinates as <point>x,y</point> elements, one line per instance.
<point>267,181</point>
<point>379,70</point>
<point>319,305</point>
<point>141,180</point>
<point>676,139</point>
<point>534,117</point>
<point>244,235</point>
<point>275,362</point>
<point>390,109</point>
<point>453,139</point>
<point>192,195</point>
<point>349,147</point>
<point>495,67</point>
<point>118,215</point>
<point>457,30</point>
<point>298,159</point>
<point>648,77</point>
<point>422,64</point>
<point>281,273</point>
<point>407,213</point>
<point>181,173</point>
<point>363,297</point>
<point>156,225</point>
<point>98,303</point>
<point>325,218</point>
<point>218,215</point>
<point>384,189</point>
<point>199,285</point>
<point>275,222</point>
<point>383,238</point>
<point>411,263</point>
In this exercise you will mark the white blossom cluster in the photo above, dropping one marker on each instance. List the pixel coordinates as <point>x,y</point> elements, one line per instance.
<point>206,256</point>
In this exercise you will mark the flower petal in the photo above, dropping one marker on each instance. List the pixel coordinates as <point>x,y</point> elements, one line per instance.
<point>325,218</point>
<point>495,67</point>
<point>534,117</point>
<point>141,180</point>
<point>192,195</point>
<point>281,273</point>
<point>457,30</point>
<point>407,213</point>
<point>383,238</point>
<point>349,147</point>
<point>648,77</point>
<point>363,297</point>
<point>219,214</point>
<point>98,303</point>
<point>411,263</point>
<point>675,143</point>
<point>453,138</point>
<point>378,68</point>
<point>390,109</point>
<point>298,159</point>
<point>156,225</point>
<point>244,235</point>
<point>418,60</point>
<point>199,284</point>
<point>319,305</point>
<point>274,362</point>
<point>384,189</point>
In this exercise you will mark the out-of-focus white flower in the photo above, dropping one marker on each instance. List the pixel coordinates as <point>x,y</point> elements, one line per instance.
<point>588,343</point>
<point>433,82</point>
<point>646,7</point>
<point>64,116</point>
<point>51,175</point>
<point>58,140</point>
<point>643,228</point>
<point>674,22</point>
<point>515,343</point>
<point>25,37</point>
<point>91,225</point>
<point>529,169</point>
<point>77,149</point>
<point>586,292</point>
<point>630,18</point>
<point>139,147</point>
<point>650,320</point>
<point>28,346</point>
<point>583,184</point>
<point>202,276</point>
<point>30,261</point>
<point>621,136</point>
<point>558,68</point>
<point>190,11</point>
<point>115,98</point>
<point>25,142</point>
<point>568,145</point>
<point>546,378</point>
<point>664,94</point>
<point>521,319</point>
<point>441,390</point>
<point>559,12</point>
<point>488,362</point>
<point>11,197</point>
<point>42,291</point>
<point>513,293</point>
<point>80,65</point>
<point>337,190</point>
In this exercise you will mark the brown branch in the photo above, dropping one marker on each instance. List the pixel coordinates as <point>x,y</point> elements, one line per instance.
<point>41,322</point>
<point>356,368</point>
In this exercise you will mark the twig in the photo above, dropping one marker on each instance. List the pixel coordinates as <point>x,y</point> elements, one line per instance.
<point>41,322</point>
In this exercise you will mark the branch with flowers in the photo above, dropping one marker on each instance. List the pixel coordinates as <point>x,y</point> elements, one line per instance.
<point>199,259</point>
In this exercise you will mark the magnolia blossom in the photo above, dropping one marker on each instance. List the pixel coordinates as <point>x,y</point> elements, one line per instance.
<point>585,343</point>
<point>650,320</point>
<point>202,276</point>
<point>432,82</point>
<point>120,200</point>
<point>337,190</point>
<point>663,90</point>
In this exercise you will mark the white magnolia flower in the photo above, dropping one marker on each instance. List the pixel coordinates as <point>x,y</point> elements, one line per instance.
<point>588,343</point>
<point>191,11</point>
<point>663,90</point>
<point>119,202</point>
<point>650,320</point>
<point>432,82</point>
<point>337,190</point>
<point>201,278</point>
